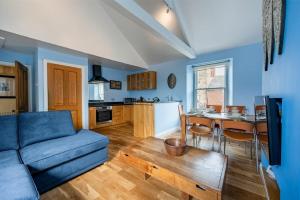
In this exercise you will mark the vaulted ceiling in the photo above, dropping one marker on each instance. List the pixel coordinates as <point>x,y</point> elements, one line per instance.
<point>134,32</point>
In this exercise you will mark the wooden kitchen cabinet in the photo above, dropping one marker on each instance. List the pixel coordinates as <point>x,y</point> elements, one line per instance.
<point>128,114</point>
<point>143,114</point>
<point>117,114</point>
<point>142,81</point>
<point>92,118</point>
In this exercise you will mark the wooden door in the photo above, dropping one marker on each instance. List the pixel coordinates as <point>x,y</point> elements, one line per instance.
<point>64,91</point>
<point>21,87</point>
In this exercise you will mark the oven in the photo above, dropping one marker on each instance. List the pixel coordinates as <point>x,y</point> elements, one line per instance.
<point>104,114</point>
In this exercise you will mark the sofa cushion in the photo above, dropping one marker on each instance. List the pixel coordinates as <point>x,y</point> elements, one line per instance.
<point>8,132</point>
<point>50,153</point>
<point>8,158</point>
<point>16,183</point>
<point>40,126</point>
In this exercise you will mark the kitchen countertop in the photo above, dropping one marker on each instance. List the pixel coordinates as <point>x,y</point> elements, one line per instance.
<point>98,104</point>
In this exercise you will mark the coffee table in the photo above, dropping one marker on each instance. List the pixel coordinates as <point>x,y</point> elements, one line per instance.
<point>198,173</point>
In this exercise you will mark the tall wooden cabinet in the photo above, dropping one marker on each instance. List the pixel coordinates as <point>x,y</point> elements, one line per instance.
<point>142,81</point>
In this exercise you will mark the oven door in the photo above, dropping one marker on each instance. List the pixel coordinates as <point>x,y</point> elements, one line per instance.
<point>104,115</point>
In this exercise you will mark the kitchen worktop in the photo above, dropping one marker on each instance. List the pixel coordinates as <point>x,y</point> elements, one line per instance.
<point>102,103</point>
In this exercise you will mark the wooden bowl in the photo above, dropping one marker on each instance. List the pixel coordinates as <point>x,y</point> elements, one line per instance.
<point>174,146</point>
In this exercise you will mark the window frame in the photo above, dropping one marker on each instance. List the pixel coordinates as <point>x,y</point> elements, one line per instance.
<point>227,65</point>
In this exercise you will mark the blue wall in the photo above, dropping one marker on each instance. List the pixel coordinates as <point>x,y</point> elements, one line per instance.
<point>246,80</point>
<point>12,56</point>
<point>282,80</point>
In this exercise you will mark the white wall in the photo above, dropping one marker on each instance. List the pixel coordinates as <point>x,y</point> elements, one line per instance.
<point>75,24</point>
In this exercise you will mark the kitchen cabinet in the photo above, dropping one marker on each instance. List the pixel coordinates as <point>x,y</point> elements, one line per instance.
<point>117,114</point>
<point>92,117</point>
<point>142,81</point>
<point>128,114</point>
<point>143,120</point>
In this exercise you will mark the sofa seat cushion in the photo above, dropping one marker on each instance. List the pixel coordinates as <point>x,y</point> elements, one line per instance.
<point>47,154</point>
<point>16,183</point>
<point>8,158</point>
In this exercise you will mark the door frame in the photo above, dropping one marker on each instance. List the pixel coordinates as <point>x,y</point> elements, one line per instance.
<point>84,87</point>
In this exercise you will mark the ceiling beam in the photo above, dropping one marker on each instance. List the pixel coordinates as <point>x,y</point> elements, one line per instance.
<point>139,13</point>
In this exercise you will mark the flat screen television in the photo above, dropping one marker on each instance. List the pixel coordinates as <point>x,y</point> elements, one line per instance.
<point>272,117</point>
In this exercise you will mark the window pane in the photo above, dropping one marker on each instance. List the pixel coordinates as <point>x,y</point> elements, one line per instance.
<point>96,91</point>
<point>201,99</point>
<point>211,77</point>
<point>215,97</point>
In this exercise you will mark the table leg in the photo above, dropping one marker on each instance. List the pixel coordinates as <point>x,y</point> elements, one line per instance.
<point>185,196</point>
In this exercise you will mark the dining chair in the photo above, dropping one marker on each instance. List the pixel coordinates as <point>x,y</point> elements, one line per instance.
<point>201,127</point>
<point>217,108</point>
<point>241,109</point>
<point>238,131</point>
<point>261,137</point>
<point>180,110</point>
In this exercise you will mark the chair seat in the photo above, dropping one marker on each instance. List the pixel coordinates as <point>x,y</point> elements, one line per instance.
<point>9,157</point>
<point>47,154</point>
<point>200,130</point>
<point>16,183</point>
<point>239,136</point>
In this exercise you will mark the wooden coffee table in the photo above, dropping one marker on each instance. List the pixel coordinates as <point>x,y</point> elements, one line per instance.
<point>198,173</point>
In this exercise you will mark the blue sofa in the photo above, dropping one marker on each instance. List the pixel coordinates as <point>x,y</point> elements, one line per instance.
<point>41,150</point>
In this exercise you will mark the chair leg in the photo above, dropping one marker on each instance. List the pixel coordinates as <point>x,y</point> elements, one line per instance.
<point>213,141</point>
<point>256,152</point>
<point>224,145</point>
<point>251,149</point>
<point>219,138</point>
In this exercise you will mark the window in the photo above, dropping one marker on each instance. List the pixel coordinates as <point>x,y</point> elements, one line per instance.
<point>96,91</point>
<point>210,85</point>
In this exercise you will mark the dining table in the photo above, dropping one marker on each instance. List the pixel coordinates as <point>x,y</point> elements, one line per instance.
<point>218,118</point>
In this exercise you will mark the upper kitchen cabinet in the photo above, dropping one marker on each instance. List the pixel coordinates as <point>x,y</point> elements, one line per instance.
<point>142,81</point>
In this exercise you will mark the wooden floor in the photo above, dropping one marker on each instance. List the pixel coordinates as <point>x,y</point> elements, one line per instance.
<point>115,180</point>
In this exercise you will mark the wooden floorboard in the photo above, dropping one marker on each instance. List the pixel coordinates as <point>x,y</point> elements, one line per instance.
<point>116,180</point>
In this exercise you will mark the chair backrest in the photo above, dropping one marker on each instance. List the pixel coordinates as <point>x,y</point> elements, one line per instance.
<point>218,108</point>
<point>260,107</point>
<point>180,109</point>
<point>241,109</point>
<point>8,133</point>
<point>40,126</point>
<point>238,125</point>
<point>261,128</point>
<point>203,121</point>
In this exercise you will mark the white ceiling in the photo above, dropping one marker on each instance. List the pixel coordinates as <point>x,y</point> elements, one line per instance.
<point>213,25</point>
<point>101,30</point>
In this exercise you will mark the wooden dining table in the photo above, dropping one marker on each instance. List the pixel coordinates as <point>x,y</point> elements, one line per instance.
<point>218,118</point>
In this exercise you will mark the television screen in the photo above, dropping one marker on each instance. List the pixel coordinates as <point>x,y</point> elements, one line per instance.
<point>268,113</point>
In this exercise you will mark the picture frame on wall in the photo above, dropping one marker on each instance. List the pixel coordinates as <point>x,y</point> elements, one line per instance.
<point>7,87</point>
<point>115,85</point>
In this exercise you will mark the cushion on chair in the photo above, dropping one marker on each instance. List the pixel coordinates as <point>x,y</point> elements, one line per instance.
<point>8,158</point>
<point>8,132</point>
<point>47,154</point>
<point>16,183</point>
<point>40,126</point>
